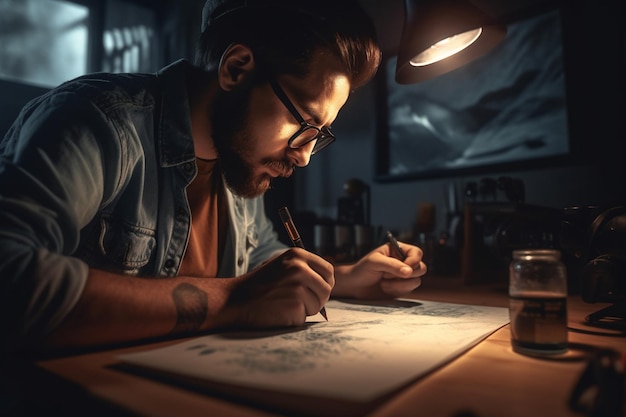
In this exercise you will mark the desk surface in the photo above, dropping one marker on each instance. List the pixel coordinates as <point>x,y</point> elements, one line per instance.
<point>489,380</point>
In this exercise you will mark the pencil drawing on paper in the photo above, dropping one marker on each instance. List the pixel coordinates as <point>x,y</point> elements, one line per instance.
<point>294,351</point>
<point>399,307</point>
<point>397,341</point>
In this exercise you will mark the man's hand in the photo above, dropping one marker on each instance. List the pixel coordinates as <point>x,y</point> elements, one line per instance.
<point>283,291</point>
<point>379,274</point>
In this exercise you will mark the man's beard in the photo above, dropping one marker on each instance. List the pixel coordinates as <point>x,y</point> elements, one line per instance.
<point>231,138</point>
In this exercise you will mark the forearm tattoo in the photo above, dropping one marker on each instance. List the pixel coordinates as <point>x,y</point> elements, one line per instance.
<point>191,308</point>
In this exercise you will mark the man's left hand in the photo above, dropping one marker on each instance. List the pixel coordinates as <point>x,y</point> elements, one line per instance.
<point>380,274</point>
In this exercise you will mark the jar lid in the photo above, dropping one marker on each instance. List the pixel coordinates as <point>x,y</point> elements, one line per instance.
<point>537,253</point>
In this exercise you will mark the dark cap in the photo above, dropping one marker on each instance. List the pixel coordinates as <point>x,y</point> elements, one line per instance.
<point>215,9</point>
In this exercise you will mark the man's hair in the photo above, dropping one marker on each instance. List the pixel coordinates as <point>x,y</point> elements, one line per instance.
<point>284,34</point>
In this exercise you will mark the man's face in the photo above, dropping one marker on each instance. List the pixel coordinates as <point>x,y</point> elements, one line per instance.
<point>251,127</point>
<point>233,141</point>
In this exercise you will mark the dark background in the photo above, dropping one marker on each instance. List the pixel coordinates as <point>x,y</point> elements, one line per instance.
<point>594,50</point>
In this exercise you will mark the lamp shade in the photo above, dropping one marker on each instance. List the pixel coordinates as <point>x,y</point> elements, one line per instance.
<point>441,35</point>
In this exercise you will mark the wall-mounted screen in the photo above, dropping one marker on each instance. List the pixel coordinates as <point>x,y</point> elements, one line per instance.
<point>504,110</point>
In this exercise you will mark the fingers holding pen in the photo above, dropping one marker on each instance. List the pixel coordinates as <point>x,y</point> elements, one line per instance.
<point>290,226</point>
<point>285,290</point>
<point>401,277</point>
<point>312,271</point>
<point>414,260</point>
<point>405,260</point>
<point>410,268</point>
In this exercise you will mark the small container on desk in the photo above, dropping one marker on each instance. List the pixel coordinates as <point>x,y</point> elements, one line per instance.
<point>538,302</point>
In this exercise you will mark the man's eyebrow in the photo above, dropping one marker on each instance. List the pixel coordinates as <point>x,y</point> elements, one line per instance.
<point>313,115</point>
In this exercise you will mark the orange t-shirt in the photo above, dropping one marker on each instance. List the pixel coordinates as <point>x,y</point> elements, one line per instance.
<point>206,238</point>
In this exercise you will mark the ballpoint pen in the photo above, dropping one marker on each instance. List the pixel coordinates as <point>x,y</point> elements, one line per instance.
<point>285,216</point>
<point>395,246</point>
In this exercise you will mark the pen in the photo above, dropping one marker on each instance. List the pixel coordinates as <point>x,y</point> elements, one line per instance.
<point>285,216</point>
<point>395,246</point>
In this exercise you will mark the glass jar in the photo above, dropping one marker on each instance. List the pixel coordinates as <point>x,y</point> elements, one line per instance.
<point>538,302</point>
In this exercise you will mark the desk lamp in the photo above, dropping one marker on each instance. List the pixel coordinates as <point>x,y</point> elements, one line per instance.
<point>441,35</point>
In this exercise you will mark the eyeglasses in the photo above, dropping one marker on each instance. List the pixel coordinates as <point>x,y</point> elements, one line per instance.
<point>307,132</point>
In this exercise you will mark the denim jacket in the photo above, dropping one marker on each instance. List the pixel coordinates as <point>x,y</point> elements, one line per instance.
<point>93,175</point>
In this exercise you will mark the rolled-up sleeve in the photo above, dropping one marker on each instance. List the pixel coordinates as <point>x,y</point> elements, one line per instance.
<point>52,180</point>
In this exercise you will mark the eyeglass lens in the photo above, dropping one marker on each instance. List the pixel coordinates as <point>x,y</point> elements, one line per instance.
<point>307,132</point>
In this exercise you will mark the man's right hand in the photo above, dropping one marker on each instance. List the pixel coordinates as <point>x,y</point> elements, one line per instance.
<point>282,291</point>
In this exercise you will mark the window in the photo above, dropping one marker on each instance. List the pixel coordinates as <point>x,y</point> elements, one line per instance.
<point>43,42</point>
<point>129,41</point>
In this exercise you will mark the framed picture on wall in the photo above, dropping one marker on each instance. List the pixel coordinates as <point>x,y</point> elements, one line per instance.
<point>505,110</point>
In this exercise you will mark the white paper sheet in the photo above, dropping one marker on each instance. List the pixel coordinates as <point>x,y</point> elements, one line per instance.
<point>362,352</point>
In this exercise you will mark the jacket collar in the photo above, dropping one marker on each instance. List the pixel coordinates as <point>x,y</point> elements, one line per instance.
<point>174,137</point>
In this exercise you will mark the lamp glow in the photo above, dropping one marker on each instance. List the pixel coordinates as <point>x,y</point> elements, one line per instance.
<point>446,48</point>
<point>439,36</point>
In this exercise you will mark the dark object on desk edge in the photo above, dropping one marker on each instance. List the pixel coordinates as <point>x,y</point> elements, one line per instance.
<point>595,239</point>
<point>600,390</point>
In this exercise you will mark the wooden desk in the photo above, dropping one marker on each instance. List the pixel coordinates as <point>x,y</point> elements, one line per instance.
<point>490,380</point>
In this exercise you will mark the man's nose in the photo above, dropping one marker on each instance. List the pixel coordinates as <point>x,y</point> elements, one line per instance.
<point>301,156</point>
